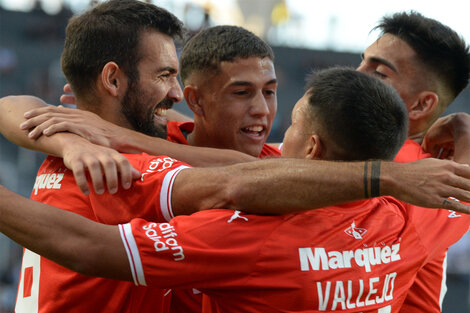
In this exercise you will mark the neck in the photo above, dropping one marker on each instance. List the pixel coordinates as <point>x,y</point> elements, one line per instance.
<point>418,137</point>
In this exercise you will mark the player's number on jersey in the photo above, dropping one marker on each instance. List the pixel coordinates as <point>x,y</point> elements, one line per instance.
<point>28,289</point>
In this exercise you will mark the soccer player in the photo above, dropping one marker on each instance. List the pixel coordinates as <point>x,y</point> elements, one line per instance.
<point>124,90</point>
<point>356,256</point>
<point>429,65</point>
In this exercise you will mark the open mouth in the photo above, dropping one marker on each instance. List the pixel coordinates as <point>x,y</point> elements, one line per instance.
<point>254,131</point>
<point>160,115</point>
<point>161,110</point>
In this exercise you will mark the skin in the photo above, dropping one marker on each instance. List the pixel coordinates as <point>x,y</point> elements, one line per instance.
<point>235,107</point>
<point>298,137</point>
<point>157,82</point>
<point>393,61</point>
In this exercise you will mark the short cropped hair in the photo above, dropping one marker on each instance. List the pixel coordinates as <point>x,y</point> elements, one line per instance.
<point>111,31</point>
<point>363,116</point>
<point>438,47</point>
<point>206,50</point>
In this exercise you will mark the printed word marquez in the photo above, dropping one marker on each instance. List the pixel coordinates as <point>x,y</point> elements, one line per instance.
<point>318,257</point>
<point>163,235</point>
<point>48,181</point>
<point>355,294</point>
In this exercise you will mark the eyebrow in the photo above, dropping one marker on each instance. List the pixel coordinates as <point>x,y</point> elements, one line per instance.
<point>245,83</point>
<point>170,69</point>
<point>382,61</point>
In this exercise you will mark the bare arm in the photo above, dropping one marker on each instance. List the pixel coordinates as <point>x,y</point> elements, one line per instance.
<point>79,155</point>
<point>286,185</point>
<point>75,242</point>
<point>55,120</point>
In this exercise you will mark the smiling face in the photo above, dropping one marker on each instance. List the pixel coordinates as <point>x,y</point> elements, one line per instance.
<point>146,100</point>
<point>237,105</point>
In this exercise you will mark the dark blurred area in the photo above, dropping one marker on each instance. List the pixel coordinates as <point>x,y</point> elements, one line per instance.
<point>30,49</point>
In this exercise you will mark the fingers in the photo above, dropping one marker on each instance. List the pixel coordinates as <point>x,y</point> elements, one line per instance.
<point>104,170</point>
<point>127,172</point>
<point>454,205</point>
<point>68,99</point>
<point>78,170</point>
<point>67,88</point>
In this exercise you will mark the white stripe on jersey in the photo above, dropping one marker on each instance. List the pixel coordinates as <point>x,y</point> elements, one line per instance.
<point>165,193</point>
<point>443,282</point>
<point>132,254</point>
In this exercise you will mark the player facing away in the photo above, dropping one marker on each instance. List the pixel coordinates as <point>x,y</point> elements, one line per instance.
<point>429,65</point>
<point>357,257</point>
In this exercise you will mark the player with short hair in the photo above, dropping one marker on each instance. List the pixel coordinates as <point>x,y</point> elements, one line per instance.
<point>429,65</point>
<point>356,256</point>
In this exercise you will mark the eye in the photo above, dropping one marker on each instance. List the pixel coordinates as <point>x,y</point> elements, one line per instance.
<point>379,75</point>
<point>270,92</point>
<point>240,92</point>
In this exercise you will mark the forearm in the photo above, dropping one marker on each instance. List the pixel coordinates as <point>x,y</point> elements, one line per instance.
<point>133,142</point>
<point>63,237</point>
<point>270,186</point>
<point>12,109</point>
<point>286,185</point>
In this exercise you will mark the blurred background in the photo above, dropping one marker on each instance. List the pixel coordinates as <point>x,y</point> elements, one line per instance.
<point>304,34</point>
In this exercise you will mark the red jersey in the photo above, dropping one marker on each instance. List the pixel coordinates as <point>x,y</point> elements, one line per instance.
<point>357,257</point>
<point>190,301</point>
<point>47,287</point>
<point>178,132</point>
<point>428,291</point>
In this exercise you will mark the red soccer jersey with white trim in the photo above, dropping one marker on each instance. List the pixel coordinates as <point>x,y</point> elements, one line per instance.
<point>190,301</point>
<point>47,287</point>
<point>178,131</point>
<point>357,257</point>
<point>428,291</point>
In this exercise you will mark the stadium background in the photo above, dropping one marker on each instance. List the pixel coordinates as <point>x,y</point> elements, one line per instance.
<point>31,41</point>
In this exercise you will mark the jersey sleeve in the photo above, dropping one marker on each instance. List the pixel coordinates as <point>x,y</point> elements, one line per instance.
<point>215,248</point>
<point>149,196</point>
<point>438,228</point>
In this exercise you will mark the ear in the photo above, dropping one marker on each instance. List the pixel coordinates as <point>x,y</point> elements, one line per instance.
<point>193,99</point>
<point>113,79</point>
<point>314,148</point>
<point>425,106</point>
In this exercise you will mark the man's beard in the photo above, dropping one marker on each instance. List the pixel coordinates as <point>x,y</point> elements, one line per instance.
<point>133,106</point>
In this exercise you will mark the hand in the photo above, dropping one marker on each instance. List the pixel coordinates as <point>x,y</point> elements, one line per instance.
<point>429,183</point>
<point>50,120</point>
<point>439,139</point>
<point>81,156</point>
<point>68,99</point>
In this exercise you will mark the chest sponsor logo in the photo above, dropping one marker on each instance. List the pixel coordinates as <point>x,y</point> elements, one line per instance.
<point>164,237</point>
<point>355,232</point>
<point>316,259</point>
<point>48,181</point>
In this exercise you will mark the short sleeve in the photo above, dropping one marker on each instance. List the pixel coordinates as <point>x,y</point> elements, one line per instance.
<point>149,196</point>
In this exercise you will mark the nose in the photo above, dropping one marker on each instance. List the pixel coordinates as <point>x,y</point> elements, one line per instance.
<point>260,105</point>
<point>362,67</point>
<point>175,93</point>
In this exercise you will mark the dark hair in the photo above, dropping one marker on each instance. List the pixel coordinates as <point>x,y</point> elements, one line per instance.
<point>362,116</point>
<point>206,50</point>
<point>438,47</point>
<point>111,31</point>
